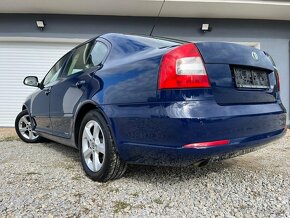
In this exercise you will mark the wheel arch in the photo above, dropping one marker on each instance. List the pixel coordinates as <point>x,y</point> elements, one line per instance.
<point>81,111</point>
<point>24,107</point>
<point>27,106</point>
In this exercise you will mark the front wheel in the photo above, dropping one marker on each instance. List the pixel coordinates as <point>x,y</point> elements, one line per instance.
<point>24,128</point>
<point>98,153</point>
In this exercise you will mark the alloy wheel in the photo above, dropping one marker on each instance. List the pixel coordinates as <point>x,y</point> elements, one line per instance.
<point>93,146</point>
<point>25,128</point>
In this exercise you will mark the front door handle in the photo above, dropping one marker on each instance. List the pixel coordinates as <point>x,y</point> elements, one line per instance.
<point>80,83</point>
<point>47,90</point>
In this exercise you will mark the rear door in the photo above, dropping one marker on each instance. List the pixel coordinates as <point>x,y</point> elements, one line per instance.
<point>74,86</point>
<point>41,99</point>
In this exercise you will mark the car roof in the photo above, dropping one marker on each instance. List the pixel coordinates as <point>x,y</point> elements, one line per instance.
<point>154,41</point>
<point>125,44</point>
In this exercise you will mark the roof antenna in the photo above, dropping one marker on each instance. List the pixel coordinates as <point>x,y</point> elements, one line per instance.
<point>156,19</point>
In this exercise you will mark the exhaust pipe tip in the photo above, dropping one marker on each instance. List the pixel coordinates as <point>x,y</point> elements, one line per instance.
<point>202,163</point>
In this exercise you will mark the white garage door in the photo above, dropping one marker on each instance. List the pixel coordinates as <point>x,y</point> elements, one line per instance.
<point>20,59</point>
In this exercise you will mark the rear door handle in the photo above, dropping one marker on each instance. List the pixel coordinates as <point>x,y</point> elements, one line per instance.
<point>80,83</point>
<point>47,90</point>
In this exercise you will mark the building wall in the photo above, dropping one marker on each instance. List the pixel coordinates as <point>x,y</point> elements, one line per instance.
<point>273,35</point>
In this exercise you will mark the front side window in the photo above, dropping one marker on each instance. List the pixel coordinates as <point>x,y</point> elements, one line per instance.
<point>55,71</point>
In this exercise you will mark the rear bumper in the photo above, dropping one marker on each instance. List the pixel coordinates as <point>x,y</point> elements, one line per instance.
<point>168,156</point>
<point>247,127</point>
<point>234,148</point>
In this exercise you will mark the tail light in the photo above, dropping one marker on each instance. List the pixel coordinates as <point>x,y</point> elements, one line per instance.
<point>275,70</point>
<point>277,80</point>
<point>183,67</point>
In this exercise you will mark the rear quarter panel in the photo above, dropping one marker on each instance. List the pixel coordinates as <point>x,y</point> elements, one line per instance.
<point>127,95</point>
<point>130,80</point>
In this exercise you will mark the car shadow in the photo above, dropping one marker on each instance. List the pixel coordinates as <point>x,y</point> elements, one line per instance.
<point>174,174</point>
<point>159,174</point>
<point>64,150</point>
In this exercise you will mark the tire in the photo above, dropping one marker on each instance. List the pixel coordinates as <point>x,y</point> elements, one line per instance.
<point>24,128</point>
<point>98,152</point>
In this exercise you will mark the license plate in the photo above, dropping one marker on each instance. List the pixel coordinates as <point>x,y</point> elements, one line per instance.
<point>251,78</point>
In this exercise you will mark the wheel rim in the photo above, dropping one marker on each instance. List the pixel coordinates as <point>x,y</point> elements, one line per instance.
<point>93,146</point>
<point>25,128</point>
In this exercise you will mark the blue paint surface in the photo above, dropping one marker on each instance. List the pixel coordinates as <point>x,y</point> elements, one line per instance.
<point>151,126</point>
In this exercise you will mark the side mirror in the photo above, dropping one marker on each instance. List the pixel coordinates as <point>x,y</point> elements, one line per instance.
<point>31,81</point>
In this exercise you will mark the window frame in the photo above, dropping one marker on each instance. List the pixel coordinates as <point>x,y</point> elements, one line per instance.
<point>68,54</point>
<point>73,51</point>
<point>105,56</point>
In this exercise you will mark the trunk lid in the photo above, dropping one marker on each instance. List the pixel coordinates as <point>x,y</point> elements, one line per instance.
<point>239,74</point>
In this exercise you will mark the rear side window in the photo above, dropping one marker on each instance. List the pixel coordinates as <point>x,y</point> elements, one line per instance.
<point>78,60</point>
<point>86,56</point>
<point>98,54</point>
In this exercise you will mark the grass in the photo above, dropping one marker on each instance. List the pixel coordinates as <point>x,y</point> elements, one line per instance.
<point>121,205</point>
<point>115,190</point>
<point>135,194</point>
<point>68,167</point>
<point>9,138</point>
<point>140,206</point>
<point>243,207</point>
<point>76,178</point>
<point>33,173</point>
<point>158,201</point>
<point>78,195</point>
<point>65,165</point>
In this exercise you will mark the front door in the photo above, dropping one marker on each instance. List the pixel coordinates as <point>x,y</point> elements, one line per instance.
<point>40,110</point>
<point>40,102</point>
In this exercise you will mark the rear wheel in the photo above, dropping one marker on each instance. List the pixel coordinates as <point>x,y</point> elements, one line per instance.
<point>24,128</point>
<point>98,153</point>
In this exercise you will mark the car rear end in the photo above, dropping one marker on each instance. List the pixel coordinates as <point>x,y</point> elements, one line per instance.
<point>217,100</point>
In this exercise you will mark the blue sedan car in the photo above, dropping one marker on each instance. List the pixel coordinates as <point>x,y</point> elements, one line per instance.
<point>123,99</point>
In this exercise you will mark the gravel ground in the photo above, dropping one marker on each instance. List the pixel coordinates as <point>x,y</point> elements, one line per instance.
<point>47,180</point>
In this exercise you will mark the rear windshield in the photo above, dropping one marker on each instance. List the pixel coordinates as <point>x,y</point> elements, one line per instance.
<point>156,42</point>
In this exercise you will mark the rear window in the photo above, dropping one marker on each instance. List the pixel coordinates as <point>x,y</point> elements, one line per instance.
<point>125,45</point>
<point>154,42</point>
